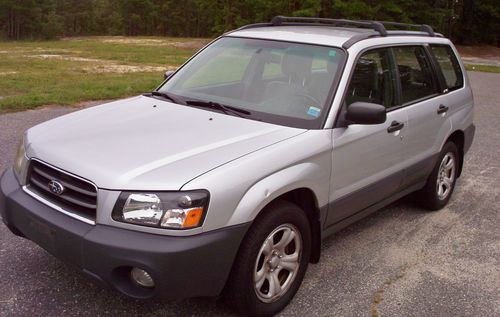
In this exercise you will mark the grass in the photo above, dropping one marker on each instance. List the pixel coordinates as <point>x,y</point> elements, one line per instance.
<point>82,69</point>
<point>73,70</point>
<point>483,68</point>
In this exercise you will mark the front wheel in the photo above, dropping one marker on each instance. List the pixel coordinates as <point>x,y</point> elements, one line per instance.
<point>441,183</point>
<point>271,262</point>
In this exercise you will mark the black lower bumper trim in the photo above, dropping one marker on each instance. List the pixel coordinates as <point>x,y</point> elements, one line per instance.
<point>181,267</point>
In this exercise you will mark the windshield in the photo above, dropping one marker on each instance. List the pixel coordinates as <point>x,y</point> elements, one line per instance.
<point>277,82</point>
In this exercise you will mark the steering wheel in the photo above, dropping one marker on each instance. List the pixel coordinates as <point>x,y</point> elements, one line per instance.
<point>308,97</point>
<point>310,101</point>
<point>298,102</point>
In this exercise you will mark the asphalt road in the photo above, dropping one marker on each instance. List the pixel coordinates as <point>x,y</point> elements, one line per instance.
<point>401,261</point>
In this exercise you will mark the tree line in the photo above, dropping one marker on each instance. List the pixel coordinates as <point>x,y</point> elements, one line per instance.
<point>465,21</point>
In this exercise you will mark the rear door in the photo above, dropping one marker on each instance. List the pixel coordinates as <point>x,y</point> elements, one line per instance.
<point>428,124</point>
<point>368,160</point>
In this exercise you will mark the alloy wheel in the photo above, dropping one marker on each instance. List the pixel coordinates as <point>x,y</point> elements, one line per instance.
<point>277,263</point>
<point>446,176</point>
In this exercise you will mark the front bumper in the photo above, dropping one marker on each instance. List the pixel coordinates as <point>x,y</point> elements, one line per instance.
<point>180,266</point>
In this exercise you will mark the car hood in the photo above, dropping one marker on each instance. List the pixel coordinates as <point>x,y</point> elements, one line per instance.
<point>143,143</point>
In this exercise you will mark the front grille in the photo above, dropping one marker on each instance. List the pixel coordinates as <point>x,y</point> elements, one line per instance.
<point>78,197</point>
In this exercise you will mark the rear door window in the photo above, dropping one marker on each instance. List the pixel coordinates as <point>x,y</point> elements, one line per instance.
<point>415,73</point>
<point>449,65</point>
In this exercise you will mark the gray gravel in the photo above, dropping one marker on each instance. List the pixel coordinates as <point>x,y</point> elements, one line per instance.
<point>401,261</point>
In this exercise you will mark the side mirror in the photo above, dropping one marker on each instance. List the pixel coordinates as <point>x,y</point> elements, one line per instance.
<point>366,113</point>
<point>168,73</point>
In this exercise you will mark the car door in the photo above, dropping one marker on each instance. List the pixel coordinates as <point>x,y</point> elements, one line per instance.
<point>427,109</point>
<point>368,160</point>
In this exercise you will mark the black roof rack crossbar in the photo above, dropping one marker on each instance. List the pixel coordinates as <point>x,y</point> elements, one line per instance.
<point>423,27</point>
<point>374,25</point>
<point>364,36</point>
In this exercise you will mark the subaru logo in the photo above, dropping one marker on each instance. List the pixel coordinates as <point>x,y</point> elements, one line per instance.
<point>55,187</point>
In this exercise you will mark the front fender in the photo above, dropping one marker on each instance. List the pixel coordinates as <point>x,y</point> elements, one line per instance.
<point>240,189</point>
<point>304,175</point>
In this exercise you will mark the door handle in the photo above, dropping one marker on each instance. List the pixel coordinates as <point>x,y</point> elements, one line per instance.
<point>395,126</point>
<point>442,109</point>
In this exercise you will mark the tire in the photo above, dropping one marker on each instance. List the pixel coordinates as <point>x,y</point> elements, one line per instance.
<point>256,264</point>
<point>434,195</point>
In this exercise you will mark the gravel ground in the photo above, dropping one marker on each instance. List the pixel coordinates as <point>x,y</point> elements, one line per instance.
<point>401,261</point>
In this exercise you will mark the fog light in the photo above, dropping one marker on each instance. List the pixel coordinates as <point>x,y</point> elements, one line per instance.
<point>141,278</point>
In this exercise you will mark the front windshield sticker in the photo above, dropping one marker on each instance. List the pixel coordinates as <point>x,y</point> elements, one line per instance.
<point>313,111</point>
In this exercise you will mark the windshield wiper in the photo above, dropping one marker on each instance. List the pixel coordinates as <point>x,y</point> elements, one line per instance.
<point>166,95</point>
<point>218,106</point>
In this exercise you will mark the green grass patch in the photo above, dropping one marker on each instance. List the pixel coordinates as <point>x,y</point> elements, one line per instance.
<point>482,68</point>
<point>82,69</point>
<point>69,71</point>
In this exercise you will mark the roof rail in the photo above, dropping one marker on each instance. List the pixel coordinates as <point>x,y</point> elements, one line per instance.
<point>423,27</point>
<point>374,25</point>
<point>378,26</point>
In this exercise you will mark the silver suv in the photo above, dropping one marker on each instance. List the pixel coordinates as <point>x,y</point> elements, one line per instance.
<point>226,178</point>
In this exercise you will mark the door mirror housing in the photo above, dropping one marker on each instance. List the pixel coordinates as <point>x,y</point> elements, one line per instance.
<point>168,73</point>
<point>365,113</point>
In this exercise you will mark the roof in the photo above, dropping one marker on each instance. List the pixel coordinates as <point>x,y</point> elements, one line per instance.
<point>322,35</point>
<point>332,32</point>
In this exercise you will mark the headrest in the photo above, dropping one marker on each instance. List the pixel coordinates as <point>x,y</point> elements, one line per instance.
<point>366,71</point>
<point>297,63</point>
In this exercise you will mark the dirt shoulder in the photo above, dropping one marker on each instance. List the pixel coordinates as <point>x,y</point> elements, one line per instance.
<point>481,55</point>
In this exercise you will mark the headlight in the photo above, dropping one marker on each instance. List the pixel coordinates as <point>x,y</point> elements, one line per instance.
<point>172,210</point>
<point>20,162</point>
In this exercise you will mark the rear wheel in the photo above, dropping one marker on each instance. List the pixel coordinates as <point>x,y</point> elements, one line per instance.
<point>272,261</point>
<point>441,183</point>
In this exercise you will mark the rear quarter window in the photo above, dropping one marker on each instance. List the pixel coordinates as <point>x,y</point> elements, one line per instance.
<point>449,65</point>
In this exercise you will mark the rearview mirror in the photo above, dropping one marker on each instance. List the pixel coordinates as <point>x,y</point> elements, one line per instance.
<point>365,113</point>
<point>168,73</point>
